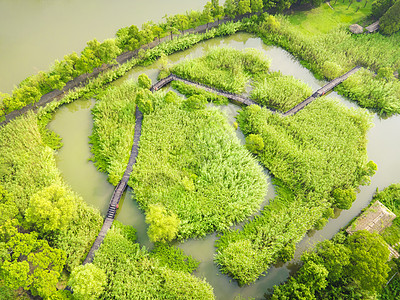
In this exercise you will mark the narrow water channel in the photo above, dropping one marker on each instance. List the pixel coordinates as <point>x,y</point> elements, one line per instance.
<point>73,123</point>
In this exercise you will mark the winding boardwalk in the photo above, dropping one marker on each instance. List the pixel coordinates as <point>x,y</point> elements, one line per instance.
<point>247,101</point>
<point>119,190</point>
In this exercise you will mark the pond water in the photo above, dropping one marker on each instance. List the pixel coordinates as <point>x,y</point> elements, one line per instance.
<point>35,33</point>
<point>73,122</point>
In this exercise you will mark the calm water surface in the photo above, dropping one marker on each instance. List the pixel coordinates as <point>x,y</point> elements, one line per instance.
<point>35,33</point>
<point>73,122</point>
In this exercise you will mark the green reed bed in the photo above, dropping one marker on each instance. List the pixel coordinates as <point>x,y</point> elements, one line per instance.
<point>191,163</point>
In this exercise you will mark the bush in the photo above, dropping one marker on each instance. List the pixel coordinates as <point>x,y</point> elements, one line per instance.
<point>254,143</point>
<point>163,225</point>
<point>87,282</point>
<point>144,81</point>
<point>344,198</point>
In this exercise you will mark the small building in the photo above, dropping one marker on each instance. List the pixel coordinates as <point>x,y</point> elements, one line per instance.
<point>375,219</point>
<point>356,29</point>
<point>373,27</point>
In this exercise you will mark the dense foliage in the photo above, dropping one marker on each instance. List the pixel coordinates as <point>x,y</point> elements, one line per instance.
<point>52,219</point>
<point>352,267</point>
<point>191,163</point>
<point>174,258</point>
<point>279,92</point>
<point>389,23</point>
<point>336,52</point>
<point>314,152</point>
<point>190,90</point>
<point>379,7</point>
<point>113,129</point>
<point>390,197</point>
<point>224,68</point>
<point>134,274</point>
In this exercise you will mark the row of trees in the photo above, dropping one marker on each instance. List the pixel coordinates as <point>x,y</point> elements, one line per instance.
<point>128,38</point>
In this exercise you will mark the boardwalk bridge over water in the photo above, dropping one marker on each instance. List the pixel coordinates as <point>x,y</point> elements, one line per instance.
<point>120,188</point>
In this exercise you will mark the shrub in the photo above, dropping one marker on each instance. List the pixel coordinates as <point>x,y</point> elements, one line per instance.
<point>144,81</point>
<point>254,143</point>
<point>163,225</point>
<point>344,198</point>
<point>195,102</point>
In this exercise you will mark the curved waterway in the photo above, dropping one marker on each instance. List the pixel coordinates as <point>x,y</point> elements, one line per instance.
<point>73,122</point>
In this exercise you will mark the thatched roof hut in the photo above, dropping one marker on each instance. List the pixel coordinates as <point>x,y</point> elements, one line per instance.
<point>373,27</point>
<point>375,219</point>
<point>356,29</point>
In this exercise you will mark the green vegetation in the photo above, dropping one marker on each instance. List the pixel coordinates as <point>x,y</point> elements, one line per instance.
<point>87,282</point>
<point>189,90</point>
<point>324,19</point>
<point>163,225</point>
<point>390,197</point>
<point>389,23</point>
<point>192,164</point>
<point>174,258</point>
<point>279,92</point>
<point>224,68</point>
<point>134,274</point>
<point>313,153</point>
<point>55,228</point>
<point>379,7</point>
<point>336,52</point>
<point>348,267</point>
<point>113,129</point>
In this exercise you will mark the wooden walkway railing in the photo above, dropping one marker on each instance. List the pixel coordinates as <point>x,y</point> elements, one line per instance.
<point>119,189</point>
<point>247,101</point>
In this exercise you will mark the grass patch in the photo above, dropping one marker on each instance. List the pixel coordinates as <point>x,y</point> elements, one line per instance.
<point>323,19</point>
<point>191,162</point>
<point>113,129</point>
<point>224,68</point>
<point>280,92</point>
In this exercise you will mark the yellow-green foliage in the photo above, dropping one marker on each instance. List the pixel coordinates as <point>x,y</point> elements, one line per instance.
<point>192,163</point>
<point>224,68</point>
<point>280,92</point>
<point>113,129</point>
<point>133,274</point>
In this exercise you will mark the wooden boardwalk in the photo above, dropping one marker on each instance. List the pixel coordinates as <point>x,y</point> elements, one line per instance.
<point>322,91</point>
<point>247,101</point>
<point>158,85</point>
<point>119,189</point>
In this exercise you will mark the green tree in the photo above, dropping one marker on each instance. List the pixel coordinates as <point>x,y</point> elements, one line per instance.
<point>207,14</point>
<point>344,198</point>
<point>29,263</point>
<point>171,97</point>
<point>87,282</point>
<point>368,261</point>
<point>7,206</point>
<point>230,8</point>
<point>108,50</point>
<point>256,5</point>
<point>144,81</point>
<point>243,7</point>
<point>144,100</point>
<point>51,209</point>
<point>254,143</point>
<point>163,225</point>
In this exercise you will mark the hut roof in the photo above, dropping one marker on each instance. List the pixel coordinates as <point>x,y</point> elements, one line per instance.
<point>373,27</point>
<point>356,29</point>
<point>375,219</point>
